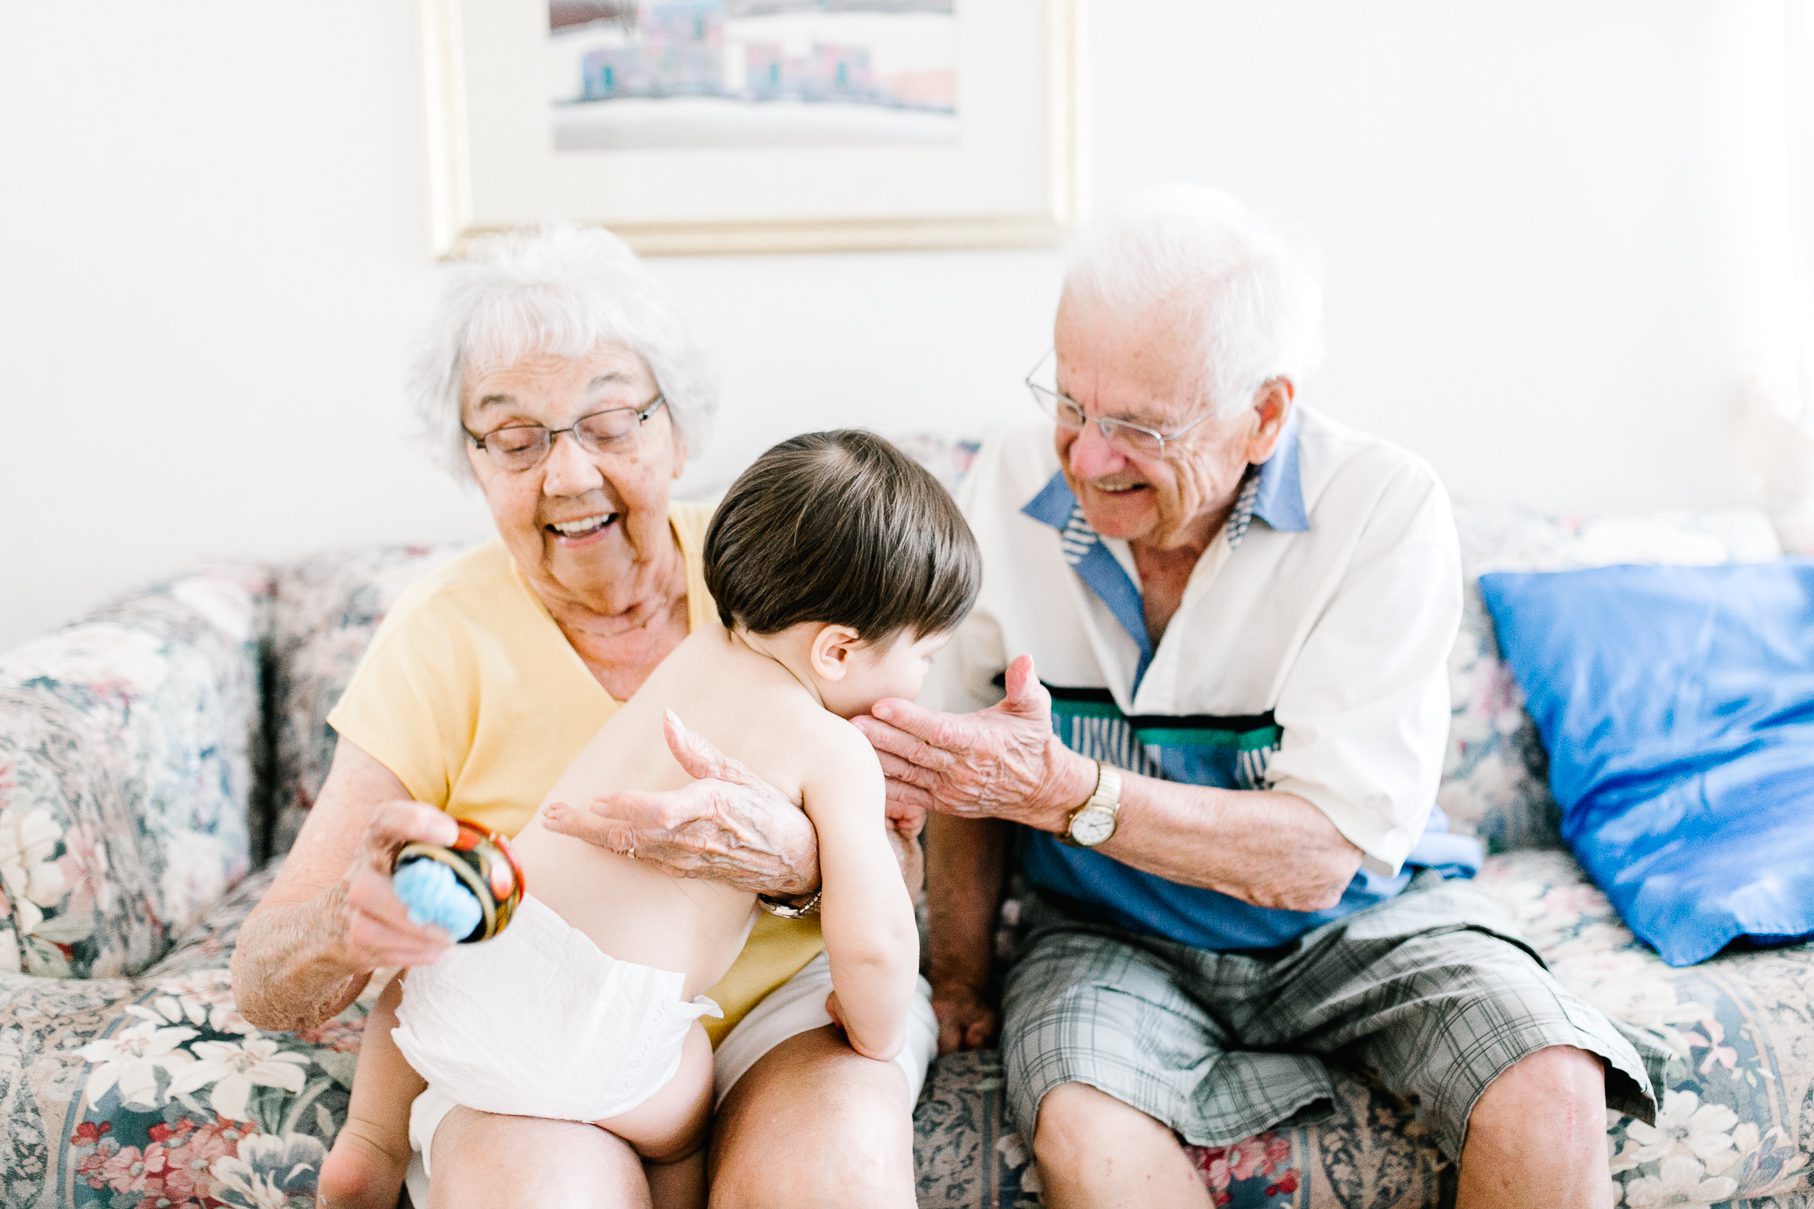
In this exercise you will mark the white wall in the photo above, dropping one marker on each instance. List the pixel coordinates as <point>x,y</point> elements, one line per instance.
<point>1550,233</point>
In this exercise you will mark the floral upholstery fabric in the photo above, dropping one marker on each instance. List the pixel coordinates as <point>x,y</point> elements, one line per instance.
<point>151,754</point>
<point>156,1092</point>
<point>127,788</point>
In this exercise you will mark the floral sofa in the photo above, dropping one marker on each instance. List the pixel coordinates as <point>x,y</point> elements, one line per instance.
<point>157,756</point>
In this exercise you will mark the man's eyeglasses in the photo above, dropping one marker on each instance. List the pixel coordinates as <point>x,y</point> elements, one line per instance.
<point>1134,440</point>
<point>520,447</point>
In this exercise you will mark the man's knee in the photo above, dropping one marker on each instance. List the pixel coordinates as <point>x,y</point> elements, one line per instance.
<point>1078,1122</point>
<point>1537,1135</point>
<point>1558,1093</point>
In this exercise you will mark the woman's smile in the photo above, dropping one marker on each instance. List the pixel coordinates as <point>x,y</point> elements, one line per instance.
<point>581,530</point>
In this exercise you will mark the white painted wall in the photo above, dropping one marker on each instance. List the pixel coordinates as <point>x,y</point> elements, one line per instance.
<point>1550,232</point>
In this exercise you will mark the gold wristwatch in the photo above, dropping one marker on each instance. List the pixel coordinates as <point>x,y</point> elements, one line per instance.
<point>781,910</point>
<point>1094,822</point>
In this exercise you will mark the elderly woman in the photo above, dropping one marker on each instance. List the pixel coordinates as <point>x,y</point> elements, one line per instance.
<point>568,388</point>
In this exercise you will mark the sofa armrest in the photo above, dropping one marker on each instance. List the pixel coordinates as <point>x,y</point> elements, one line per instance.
<point>128,745</point>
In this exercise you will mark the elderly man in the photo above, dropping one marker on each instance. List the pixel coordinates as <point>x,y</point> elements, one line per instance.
<point>1220,781</point>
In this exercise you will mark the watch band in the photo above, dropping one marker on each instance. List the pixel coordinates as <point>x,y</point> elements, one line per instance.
<point>1104,799</point>
<point>781,910</point>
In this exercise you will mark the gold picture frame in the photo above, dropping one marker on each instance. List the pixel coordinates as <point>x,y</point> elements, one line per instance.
<point>1008,177</point>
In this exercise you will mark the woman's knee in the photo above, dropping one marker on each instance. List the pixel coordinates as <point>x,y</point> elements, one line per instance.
<point>481,1159</point>
<point>819,1126</point>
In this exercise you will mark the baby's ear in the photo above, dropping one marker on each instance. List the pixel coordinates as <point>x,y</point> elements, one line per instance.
<point>831,651</point>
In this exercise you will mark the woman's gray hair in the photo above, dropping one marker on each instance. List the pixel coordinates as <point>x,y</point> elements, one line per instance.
<point>563,290</point>
<point>1257,306</point>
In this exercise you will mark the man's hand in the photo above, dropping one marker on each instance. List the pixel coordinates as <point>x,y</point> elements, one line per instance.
<point>1003,762</point>
<point>966,1020</point>
<point>905,823</point>
<point>728,825</point>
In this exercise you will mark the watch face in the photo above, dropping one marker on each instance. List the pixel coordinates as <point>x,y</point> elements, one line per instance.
<point>1092,827</point>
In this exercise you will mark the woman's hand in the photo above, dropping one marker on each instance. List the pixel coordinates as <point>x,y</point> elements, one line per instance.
<point>1003,762</point>
<point>331,917</point>
<point>728,826</point>
<point>376,924</point>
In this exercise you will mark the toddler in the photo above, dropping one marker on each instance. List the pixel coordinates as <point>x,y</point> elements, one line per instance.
<point>838,566</point>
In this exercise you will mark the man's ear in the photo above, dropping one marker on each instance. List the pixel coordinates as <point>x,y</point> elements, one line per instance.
<point>831,651</point>
<point>1272,405</point>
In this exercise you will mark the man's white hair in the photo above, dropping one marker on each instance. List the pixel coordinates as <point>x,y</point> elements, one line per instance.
<point>562,290</point>
<point>1198,255</point>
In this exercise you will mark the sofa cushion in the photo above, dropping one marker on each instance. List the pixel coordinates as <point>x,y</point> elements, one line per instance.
<point>155,1090</point>
<point>1495,778</point>
<point>1677,705</point>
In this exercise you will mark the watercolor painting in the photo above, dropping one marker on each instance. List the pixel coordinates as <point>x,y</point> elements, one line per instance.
<point>751,73</point>
<point>713,126</point>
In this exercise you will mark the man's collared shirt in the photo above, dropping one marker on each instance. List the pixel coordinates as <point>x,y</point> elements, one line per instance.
<point>1309,654</point>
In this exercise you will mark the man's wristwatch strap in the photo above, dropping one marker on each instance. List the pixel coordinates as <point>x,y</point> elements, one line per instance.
<point>1094,822</point>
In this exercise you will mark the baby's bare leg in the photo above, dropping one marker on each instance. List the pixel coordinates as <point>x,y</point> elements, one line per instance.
<point>365,1169</point>
<point>669,1128</point>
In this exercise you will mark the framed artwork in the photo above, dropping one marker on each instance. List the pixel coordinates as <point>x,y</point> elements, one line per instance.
<point>755,125</point>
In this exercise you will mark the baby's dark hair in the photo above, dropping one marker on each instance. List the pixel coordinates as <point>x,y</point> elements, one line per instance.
<point>841,527</point>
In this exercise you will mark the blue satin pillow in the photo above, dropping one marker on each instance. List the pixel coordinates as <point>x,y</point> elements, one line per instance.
<point>1677,706</point>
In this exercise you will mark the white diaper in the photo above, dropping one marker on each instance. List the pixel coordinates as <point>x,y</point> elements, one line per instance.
<point>537,1022</point>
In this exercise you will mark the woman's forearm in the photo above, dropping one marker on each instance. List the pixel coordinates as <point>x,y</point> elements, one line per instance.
<point>330,918</point>
<point>284,976</point>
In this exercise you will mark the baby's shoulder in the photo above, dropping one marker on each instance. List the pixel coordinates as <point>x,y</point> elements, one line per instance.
<point>838,737</point>
<point>796,720</point>
<point>842,760</point>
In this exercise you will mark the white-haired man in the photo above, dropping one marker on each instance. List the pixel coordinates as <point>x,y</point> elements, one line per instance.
<point>1220,781</point>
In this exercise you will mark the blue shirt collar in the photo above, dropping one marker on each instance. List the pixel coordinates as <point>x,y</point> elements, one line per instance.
<point>1280,498</point>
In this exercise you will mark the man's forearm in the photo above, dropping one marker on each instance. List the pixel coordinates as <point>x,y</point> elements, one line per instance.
<point>283,977</point>
<point>1263,847</point>
<point>965,870</point>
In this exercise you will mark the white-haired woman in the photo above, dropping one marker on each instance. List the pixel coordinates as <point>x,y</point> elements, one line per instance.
<point>568,389</point>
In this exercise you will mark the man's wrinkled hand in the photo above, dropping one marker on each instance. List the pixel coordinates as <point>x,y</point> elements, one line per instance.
<point>966,1020</point>
<point>1003,762</point>
<point>910,854</point>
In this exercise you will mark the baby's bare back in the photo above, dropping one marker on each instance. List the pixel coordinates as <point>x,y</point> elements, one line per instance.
<point>753,710</point>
